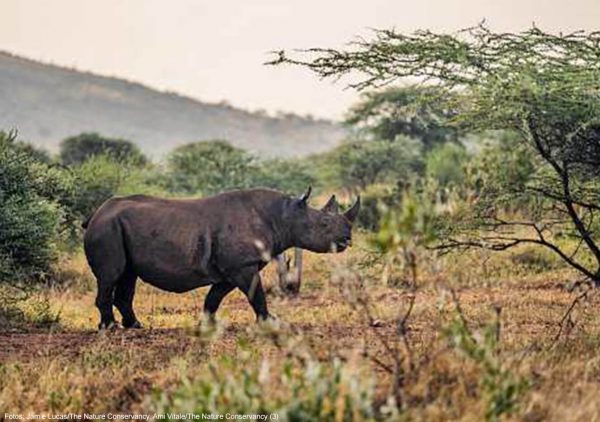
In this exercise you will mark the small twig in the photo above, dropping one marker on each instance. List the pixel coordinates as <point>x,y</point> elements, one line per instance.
<point>381,364</point>
<point>566,318</point>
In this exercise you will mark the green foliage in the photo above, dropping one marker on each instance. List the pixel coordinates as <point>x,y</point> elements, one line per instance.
<point>101,177</point>
<point>96,180</point>
<point>404,230</point>
<point>543,86</point>
<point>290,176</point>
<point>502,172</point>
<point>401,111</point>
<point>77,149</point>
<point>19,307</point>
<point>328,391</point>
<point>374,200</point>
<point>29,236</point>
<point>446,164</point>
<point>37,154</point>
<point>501,388</point>
<point>209,167</point>
<point>407,226</point>
<point>358,164</point>
<point>30,214</point>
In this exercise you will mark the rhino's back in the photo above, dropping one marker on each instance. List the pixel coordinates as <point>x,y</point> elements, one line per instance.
<point>146,214</point>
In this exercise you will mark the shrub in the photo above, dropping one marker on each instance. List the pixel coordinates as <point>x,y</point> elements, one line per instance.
<point>209,167</point>
<point>500,387</point>
<point>373,200</point>
<point>96,180</point>
<point>503,168</point>
<point>446,164</point>
<point>329,391</point>
<point>358,164</point>
<point>291,176</point>
<point>77,149</point>
<point>102,177</point>
<point>30,214</point>
<point>37,154</point>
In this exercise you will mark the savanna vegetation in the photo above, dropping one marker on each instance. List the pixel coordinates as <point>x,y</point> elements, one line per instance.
<point>470,292</point>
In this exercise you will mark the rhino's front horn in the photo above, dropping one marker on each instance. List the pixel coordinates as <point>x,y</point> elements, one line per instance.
<point>305,195</point>
<point>331,205</point>
<point>352,213</point>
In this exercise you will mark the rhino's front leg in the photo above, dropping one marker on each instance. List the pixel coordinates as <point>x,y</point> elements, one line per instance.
<point>248,281</point>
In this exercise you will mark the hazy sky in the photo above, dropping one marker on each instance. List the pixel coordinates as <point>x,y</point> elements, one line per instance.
<point>214,50</point>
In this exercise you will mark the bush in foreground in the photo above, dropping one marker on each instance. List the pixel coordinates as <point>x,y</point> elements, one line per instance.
<point>324,391</point>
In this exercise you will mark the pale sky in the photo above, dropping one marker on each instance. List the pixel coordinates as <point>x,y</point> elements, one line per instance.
<point>214,50</point>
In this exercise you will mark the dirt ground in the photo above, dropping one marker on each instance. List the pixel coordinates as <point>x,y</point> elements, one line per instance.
<point>549,299</point>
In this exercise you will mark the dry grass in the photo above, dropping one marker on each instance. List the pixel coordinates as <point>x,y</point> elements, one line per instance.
<point>74,368</point>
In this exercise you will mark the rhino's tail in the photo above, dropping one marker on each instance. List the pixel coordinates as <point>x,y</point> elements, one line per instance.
<point>86,222</point>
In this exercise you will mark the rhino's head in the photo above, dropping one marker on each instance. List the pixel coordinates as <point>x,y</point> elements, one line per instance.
<point>323,230</point>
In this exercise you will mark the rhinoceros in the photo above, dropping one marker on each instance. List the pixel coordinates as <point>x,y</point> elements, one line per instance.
<point>223,241</point>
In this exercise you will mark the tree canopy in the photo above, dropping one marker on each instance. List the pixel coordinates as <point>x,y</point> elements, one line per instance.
<point>543,87</point>
<point>209,167</point>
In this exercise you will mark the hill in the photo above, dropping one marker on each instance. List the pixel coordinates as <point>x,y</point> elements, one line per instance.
<point>47,103</point>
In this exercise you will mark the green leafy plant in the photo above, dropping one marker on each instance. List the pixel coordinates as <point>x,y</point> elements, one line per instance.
<point>77,149</point>
<point>357,164</point>
<point>209,167</point>
<point>446,165</point>
<point>291,175</point>
<point>325,391</point>
<point>501,387</point>
<point>30,215</point>
<point>101,177</point>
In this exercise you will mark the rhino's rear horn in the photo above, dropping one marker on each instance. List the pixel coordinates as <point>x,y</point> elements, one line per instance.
<point>305,195</point>
<point>352,213</point>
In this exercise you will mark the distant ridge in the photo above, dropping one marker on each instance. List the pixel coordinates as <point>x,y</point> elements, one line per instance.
<point>47,103</point>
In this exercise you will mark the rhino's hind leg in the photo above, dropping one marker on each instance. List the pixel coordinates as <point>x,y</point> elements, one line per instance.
<point>104,303</point>
<point>123,299</point>
<point>215,296</point>
<point>105,252</point>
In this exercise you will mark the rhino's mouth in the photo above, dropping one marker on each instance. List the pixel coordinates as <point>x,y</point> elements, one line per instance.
<point>342,244</point>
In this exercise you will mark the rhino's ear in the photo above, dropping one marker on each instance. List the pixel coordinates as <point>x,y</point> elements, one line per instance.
<point>352,213</point>
<point>331,205</point>
<point>304,197</point>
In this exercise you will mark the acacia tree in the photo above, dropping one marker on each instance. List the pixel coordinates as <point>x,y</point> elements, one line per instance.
<point>543,87</point>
